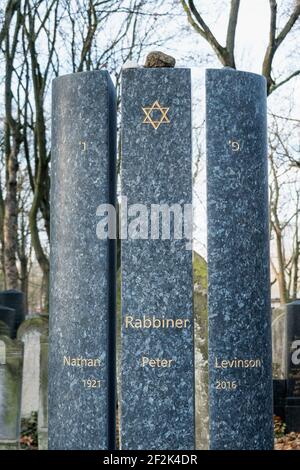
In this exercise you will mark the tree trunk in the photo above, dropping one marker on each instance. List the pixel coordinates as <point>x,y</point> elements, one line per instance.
<point>10,228</point>
<point>283,294</point>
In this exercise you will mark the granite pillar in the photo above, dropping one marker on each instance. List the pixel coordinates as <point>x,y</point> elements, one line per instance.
<point>293,367</point>
<point>240,358</point>
<point>157,367</point>
<point>82,273</point>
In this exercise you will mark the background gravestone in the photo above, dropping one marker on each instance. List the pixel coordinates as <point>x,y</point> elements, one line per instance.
<point>82,273</point>
<point>279,360</point>
<point>43,395</point>
<point>157,409</point>
<point>279,342</point>
<point>16,300</point>
<point>240,357</point>
<point>29,333</point>
<point>7,321</point>
<point>293,367</point>
<point>11,361</point>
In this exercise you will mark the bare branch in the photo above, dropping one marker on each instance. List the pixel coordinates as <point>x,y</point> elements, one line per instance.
<point>289,24</point>
<point>274,86</point>
<point>231,30</point>
<point>202,28</point>
<point>271,49</point>
<point>275,42</point>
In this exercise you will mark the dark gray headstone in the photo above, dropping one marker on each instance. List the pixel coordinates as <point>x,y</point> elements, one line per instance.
<point>82,292</point>
<point>293,349</point>
<point>7,321</point>
<point>279,397</point>
<point>293,367</point>
<point>157,282</point>
<point>14,299</point>
<point>240,364</point>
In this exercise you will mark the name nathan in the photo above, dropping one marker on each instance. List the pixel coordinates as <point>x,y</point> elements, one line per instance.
<point>237,363</point>
<point>81,361</point>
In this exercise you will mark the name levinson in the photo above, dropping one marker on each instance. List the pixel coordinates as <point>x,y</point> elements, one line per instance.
<point>81,361</point>
<point>237,363</point>
<point>155,322</point>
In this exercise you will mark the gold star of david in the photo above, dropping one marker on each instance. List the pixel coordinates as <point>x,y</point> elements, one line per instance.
<point>163,118</point>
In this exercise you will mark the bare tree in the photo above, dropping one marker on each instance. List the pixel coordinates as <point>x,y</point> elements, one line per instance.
<point>226,53</point>
<point>284,211</point>
<point>12,142</point>
<point>40,39</point>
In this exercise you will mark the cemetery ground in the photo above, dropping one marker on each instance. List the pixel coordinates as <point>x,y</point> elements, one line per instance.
<point>283,441</point>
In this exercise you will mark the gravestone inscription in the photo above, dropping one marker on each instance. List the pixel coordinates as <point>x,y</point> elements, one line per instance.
<point>82,274</point>
<point>157,368</point>
<point>240,358</point>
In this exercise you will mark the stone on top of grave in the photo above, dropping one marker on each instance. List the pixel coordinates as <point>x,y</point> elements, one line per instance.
<point>240,348</point>
<point>157,368</point>
<point>293,367</point>
<point>159,59</point>
<point>82,264</point>
<point>7,321</point>
<point>14,299</point>
<point>11,363</point>
<point>29,333</point>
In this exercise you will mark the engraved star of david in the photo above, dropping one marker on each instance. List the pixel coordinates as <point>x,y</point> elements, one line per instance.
<point>163,118</point>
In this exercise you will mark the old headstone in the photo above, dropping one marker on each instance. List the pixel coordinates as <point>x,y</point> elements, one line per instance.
<point>43,395</point>
<point>82,280</point>
<point>11,361</point>
<point>240,358</point>
<point>16,300</point>
<point>293,367</point>
<point>29,333</point>
<point>157,388</point>
<point>279,342</point>
<point>7,321</point>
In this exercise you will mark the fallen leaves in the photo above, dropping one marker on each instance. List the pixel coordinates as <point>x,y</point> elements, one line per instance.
<point>290,441</point>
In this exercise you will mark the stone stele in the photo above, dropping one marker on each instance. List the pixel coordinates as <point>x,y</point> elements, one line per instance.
<point>240,346</point>
<point>157,387</point>
<point>82,281</point>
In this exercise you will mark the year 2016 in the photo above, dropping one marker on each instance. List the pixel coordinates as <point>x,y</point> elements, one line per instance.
<point>226,385</point>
